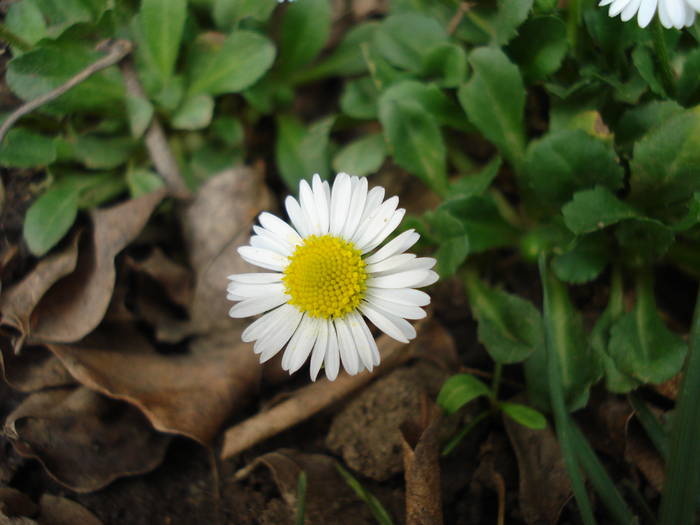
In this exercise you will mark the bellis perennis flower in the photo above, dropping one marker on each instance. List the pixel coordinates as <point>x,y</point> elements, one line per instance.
<point>327,271</point>
<point>672,13</point>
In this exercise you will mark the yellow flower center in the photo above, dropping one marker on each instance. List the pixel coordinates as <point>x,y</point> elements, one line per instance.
<point>325,277</point>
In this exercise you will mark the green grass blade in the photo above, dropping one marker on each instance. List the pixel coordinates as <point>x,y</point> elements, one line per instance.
<point>375,506</point>
<point>301,499</point>
<point>552,323</point>
<point>679,498</point>
<point>652,426</point>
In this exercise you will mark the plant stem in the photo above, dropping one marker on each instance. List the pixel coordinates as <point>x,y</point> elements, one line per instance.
<point>667,77</point>
<point>496,381</point>
<point>573,20</point>
<point>679,498</point>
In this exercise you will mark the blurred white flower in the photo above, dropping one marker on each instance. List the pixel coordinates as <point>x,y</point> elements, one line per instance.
<point>672,13</point>
<point>326,275</point>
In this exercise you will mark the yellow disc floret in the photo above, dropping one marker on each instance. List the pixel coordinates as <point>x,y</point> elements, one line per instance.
<point>325,277</point>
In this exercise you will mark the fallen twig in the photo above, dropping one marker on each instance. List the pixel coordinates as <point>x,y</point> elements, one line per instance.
<point>311,399</point>
<point>116,50</point>
<point>156,143</point>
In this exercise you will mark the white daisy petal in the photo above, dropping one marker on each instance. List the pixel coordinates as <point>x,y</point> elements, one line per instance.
<point>257,328</point>
<point>308,207</point>
<point>341,194</point>
<point>275,339</point>
<point>322,204</point>
<point>319,351</point>
<point>357,204</point>
<point>296,215</point>
<point>372,207</point>
<point>400,295</point>
<point>395,261</point>
<point>376,222</point>
<point>255,278</point>
<point>269,241</point>
<point>407,279</point>
<point>346,344</point>
<point>400,244</point>
<point>676,12</point>
<point>388,229</point>
<point>400,310</point>
<point>255,290</point>
<point>617,6</point>
<point>364,350</point>
<point>630,10</point>
<point>646,12</point>
<point>256,305</point>
<point>690,16</point>
<point>694,4</point>
<point>263,258</point>
<point>376,358</point>
<point>331,361</point>
<point>300,345</point>
<point>603,3</point>
<point>664,17</point>
<point>385,323</point>
<point>431,278</point>
<point>280,228</point>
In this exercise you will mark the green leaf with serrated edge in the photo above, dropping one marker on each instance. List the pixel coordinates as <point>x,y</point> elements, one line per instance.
<point>545,238</point>
<point>494,25</point>
<point>362,156</point>
<point>44,68</point>
<point>359,99</point>
<point>595,209</point>
<point>305,28</point>
<point>637,121</point>
<point>301,152</point>
<point>664,172</point>
<point>142,181</point>
<point>494,100</point>
<point>238,63</point>
<point>445,63</point>
<point>96,152</point>
<point>641,344</point>
<point>643,240</point>
<point>564,162</point>
<point>688,87</point>
<point>615,380</point>
<point>584,261</point>
<point>162,23</point>
<point>431,99</point>
<point>540,47</point>
<point>482,222</point>
<point>476,183</point>
<point>23,148</point>
<point>459,390</point>
<point>646,65</point>
<point>524,415</point>
<point>404,38</point>
<point>140,112</point>
<point>195,113</point>
<point>509,327</point>
<point>49,218</point>
<point>415,140</point>
<point>346,60</point>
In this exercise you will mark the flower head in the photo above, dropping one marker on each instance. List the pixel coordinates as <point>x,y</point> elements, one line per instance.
<point>326,274</point>
<point>672,13</point>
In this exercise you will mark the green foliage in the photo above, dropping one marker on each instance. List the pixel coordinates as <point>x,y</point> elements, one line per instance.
<point>459,390</point>
<point>162,23</point>
<point>50,217</point>
<point>523,414</point>
<point>362,156</point>
<point>300,151</point>
<point>23,148</point>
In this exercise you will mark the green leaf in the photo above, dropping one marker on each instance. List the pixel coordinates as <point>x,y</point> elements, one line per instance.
<point>26,20</point>
<point>361,157</point>
<point>25,149</point>
<point>37,72</point>
<point>640,343</point>
<point>446,63</point>
<point>359,99</point>
<point>375,506</point>
<point>452,239</point>
<point>56,16</point>
<point>475,183</point>
<point>647,66</point>
<point>691,217</point>
<point>567,161</point>
<point>643,240</point>
<point>584,261</point>
<point>231,67</point>
<point>229,130</point>
<point>494,25</point>
<point>99,188</point>
<point>101,153</point>
<point>142,181</point>
<point>664,167</point>
<point>509,327</point>
<point>140,113</point>
<point>688,86</point>
<point>637,121</point>
<point>305,29</point>
<point>595,209</point>
<point>195,113</point>
<point>524,415</point>
<point>482,222</point>
<point>301,152</point>
<point>459,390</point>
<point>162,23</point>
<point>403,39</point>
<point>50,217</point>
<point>431,99</point>
<point>540,47</point>
<point>416,141</point>
<point>494,100</point>
<point>227,13</point>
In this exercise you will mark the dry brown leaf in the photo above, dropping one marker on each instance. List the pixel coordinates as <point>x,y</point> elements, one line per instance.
<point>14,504</point>
<point>328,498</point>
<point>62,511</point>
<point>34,369</point>
<point>175,279</point>
<point>18,302</point>
<point>420,444</point>
<point>76,304</point>
<point>216,223</point>
<point>544,483</point>
<point>190,394</point>
<point>84,440</point>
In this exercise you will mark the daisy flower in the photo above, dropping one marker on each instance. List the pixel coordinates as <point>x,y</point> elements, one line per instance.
<point>327,272</point>
<point>672,13</point>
